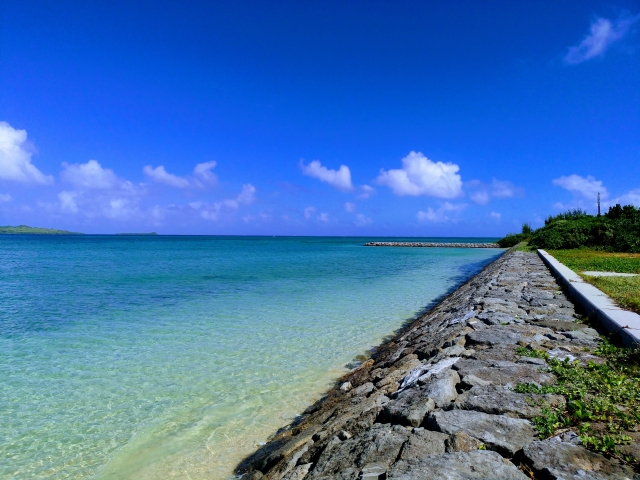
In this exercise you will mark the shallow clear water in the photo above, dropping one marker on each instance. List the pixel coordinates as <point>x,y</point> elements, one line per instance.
<point>173,357</point>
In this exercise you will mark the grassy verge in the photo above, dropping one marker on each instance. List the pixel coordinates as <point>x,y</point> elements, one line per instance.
<point>625,291</point>
<point>603,401</point>
<point>581,259</point>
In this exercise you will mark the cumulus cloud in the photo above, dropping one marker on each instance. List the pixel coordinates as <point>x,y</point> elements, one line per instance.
<point>247,195</point>
<point>212,211</point>
<point>160,175</point>
<point>421,176</point>
<point>15,158</point>
<point>68,201</point>
<point>630,198</point>
<point>588,187</point>
<point>308,212</point>
<point>481,193</point>
<point>602,34</point>
<point>98,192</point>
<point>201,173</point>
<point>339,179</point>
<point>5,198</point>
<point>366,191</point>
<point>323,217</point>
<point>90,175</point>
<point>362,220</point>
<point>350,207</point>
<point>495,216</point>
<point>441,214</point>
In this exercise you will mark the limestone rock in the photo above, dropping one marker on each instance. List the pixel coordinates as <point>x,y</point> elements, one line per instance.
<point>409,408</point>
<point>499,400</point>
<point>503,373</point>
<point>461,442</point>
<point>379,444</point>
<point>478,465</point>
<point>442,388</point>
<point>423,443</point>
<point>494,336</point>
<point>470,381</point>
<point>561,460</point>
<point>498,432</point>
<point>298,473</point>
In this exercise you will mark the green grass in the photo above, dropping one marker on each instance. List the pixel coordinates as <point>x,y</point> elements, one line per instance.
<point>624,290</point>
<point>524,247</point>
<point>583,259</point>
<point>603,401</point>
<point>23,229</point>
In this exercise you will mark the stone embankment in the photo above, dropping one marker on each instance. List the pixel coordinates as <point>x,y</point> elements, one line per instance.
<point>432,244</point>
<point>437,401</point>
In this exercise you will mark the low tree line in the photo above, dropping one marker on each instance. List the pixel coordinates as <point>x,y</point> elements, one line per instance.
<point>618,230</point>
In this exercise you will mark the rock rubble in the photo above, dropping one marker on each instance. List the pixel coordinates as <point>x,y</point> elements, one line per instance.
<point>437,401</point>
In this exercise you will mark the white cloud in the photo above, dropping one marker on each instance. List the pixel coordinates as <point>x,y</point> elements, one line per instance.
<point>5,198</point>
<point>366,191</point>
<point>247,195</point>
<point>601,35</point>
<point>495,216</point>
<point>99,193</point>
<point>630,198</point>
<point>441,214</point>
<point>362,220</point>
<point>308,212</point>
<point>340,179</point>
<point>481,193</point>
<point>212,211</point>
<point>421,176</point>
<point>203,171</point>
<point>160,175</point>
<point>68,201</point>
<point>324,217</point>
<point>120,208</point>
<point>350,207</point>
<point>587,187</point>
<point>481,197</point>
<point>89,175</point>
<point>15,158</point>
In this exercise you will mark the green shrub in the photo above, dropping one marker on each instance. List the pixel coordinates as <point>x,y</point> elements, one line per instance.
<point>618,230</point>
<point>511,240</point>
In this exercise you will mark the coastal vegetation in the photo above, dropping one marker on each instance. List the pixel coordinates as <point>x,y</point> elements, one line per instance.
<point>616,231</point>
<point>26,230</point>
<point>602,400</point>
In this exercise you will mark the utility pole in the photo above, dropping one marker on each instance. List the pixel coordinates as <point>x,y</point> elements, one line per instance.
<point>598,203</point>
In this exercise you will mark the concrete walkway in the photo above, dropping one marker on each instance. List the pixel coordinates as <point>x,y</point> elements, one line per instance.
<point>609,274</point>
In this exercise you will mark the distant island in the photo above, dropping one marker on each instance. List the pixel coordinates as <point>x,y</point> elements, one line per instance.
<point>26,230</point>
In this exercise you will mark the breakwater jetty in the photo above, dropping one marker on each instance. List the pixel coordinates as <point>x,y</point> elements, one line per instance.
<point>432,244</point>
<point>438,401</point>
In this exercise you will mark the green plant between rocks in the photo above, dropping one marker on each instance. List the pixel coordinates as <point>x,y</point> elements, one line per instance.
<point>602,400</point>
<point>525,352</point>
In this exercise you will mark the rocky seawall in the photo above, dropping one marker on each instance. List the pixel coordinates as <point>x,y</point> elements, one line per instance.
<point>437,401</point>
<point>432,244</point>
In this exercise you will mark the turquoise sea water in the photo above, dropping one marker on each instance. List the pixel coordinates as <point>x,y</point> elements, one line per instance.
<point>173,357</point>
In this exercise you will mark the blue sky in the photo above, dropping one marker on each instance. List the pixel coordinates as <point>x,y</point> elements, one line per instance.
<point>316,118</point>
